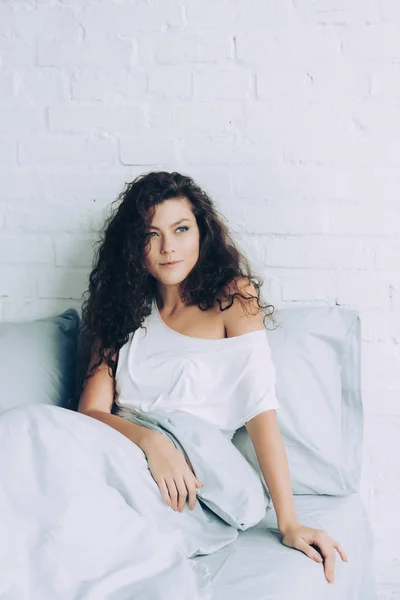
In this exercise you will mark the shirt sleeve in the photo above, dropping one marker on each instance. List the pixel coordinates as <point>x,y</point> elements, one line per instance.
<point>255,390</point>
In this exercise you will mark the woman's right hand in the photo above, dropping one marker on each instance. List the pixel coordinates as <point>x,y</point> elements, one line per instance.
<point>170,471</point>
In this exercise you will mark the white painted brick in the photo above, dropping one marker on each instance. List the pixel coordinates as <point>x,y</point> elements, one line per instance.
<point>385,327</point>
<point>388,502</point>
<point>41,86</point>
<point>16,53</point>
<point>27,121</point>
<point>357,219</point>
<point>224,151</point>
<point>46,151</point>
<point>190,48</point>
<point>322,252</point>
<point>15,281</point>
<point>386,566</point>
<point>271,292</point>
<point>223,15</point>
<point>381,403</point>
<point>20,309</point>
<point>305,285</point>
<point>60,282</point>
<point>8,153</point>
<point>7,94</point>
<point>389,10</point>
<point>214,180</point>
<point>395,296</point>
<point>285,182</point>
<point>382,433</point>
<point>373,41</point>
<point>342,83</point>
<point>265,16</point>
<point>171,82</point>
<point>96,51</point>
<point>385,80</point>
<point>273,83</point>
<point>75,217</point>
<point>147,149</point>
<point>349,288</point>
<point>364,288</point>
<point>388,253</point>
<point>109,86</point>
<point>285,218</point>
<point>17,184</point>
<point>380,366</point>
<point>27,249</point>
<point>340,146</point>
<point>109,18</point>
<point>100,188</point>
<point>84,119</point>
<point>207,119</point>
<point>30,23</point>
<point>74,251</point>
<point>223,84</point>
<point>254,249</point>
<point>379,116</point>
<point>261,50</point>
<point>337,12</point>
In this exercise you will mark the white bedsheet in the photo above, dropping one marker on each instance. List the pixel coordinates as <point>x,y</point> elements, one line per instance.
<point>257,566</point>
<point>81,518</point>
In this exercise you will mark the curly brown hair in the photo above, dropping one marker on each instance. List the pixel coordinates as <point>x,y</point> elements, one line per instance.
<point>121,290</point>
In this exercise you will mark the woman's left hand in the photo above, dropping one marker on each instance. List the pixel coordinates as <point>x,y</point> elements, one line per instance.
<point>300,537</point>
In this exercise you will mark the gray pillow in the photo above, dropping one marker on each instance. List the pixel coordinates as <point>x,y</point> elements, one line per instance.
<point>317,357</point>
<point>37,361</point>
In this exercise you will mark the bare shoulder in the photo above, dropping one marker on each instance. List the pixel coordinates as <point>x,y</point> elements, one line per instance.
<point>244,315</point>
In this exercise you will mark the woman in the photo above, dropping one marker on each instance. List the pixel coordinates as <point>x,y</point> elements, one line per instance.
<point>167,255</point>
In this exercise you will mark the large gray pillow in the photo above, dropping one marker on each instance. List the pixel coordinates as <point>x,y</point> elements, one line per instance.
<point>37,361</point>
<point>316,352</point>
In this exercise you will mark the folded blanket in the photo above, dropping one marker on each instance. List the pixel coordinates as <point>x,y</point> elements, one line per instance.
<point>83,519</point>
<point>232,487</point>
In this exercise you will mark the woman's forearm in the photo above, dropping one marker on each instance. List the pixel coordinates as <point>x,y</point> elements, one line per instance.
<point>271,454</point>
<point>138,434</point>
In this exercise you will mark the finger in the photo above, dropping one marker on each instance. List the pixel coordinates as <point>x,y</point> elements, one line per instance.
<point>327,550</point>
<point>197,483</point>
<point>310,552</point>
<point>164,491</point>
<point>339,548</point>
<point>191,487</point>
<point>182,492</point>
<point>173,493</point>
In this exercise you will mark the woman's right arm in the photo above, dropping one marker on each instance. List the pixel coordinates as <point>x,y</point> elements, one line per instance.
<point>167,464</point>
<point>96,401</point>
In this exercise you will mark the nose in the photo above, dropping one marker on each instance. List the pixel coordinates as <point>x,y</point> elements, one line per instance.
<point>166,247</point>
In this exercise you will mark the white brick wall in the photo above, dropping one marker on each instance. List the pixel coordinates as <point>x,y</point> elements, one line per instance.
<point>285,111</point>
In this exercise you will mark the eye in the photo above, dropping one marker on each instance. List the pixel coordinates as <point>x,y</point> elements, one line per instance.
<point>183,227</point>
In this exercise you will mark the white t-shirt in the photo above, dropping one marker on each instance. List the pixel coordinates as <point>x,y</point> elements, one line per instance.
<point>225,381</point>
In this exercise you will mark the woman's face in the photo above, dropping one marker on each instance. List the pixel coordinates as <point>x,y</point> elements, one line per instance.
<point>172,236</point>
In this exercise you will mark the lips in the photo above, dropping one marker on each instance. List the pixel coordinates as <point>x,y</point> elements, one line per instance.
<point>170,264</point>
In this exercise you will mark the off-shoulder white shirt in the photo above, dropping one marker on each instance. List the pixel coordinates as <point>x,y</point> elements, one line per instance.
<point>225,381</point>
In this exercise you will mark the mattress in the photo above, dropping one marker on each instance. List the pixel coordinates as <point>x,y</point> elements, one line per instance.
<point>257,566</point>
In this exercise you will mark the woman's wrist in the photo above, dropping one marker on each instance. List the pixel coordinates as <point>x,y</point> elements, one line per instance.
<point>284,527</point>
<point>148,439</point>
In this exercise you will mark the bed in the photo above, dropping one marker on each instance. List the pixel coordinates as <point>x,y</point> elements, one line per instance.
<point>317,355</point>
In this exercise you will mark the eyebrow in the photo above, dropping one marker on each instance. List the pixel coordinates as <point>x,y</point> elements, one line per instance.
<point>173,224</point>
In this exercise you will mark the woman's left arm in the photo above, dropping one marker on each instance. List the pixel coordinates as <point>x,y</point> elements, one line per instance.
<point>270,450</point>
<point>271,454</point>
